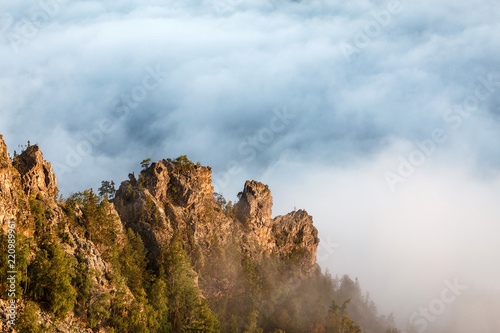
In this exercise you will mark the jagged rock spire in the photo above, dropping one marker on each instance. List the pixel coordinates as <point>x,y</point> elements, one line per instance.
<point>37,174</point>
<point>256,203</point>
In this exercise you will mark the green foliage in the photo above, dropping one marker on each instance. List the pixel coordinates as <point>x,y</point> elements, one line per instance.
<point>128,315</point>
<point>150,214</point>
<point>229,208</point>
<point>159,302</point>
<point>252,325</point>
<point>22,251</point>
<point>28,319</point>
<point>15,160</point>
<point>254,293</point>
<point>172,193</point>
<point>133,264</point>
<point>338,321</point>
<point>252,277</point>
<point>183,164</point>
<point>188,312</point>
<point>107,189</point>
<point>40,213</point>
<point>145,163</point>
<point>50,275</point>
<point>346,325</point>
<point>95,220</point>
<point>141,182</point>
<point>219,199</point>
<point>339,311</point>
<point>130,194</point>
<point>181,289</point>
<point>233,324</point>
<point>123,313</point>
<point>83,283</point>
<point>258,295</point>
<point>98,312</point>
<point>65,237</point>
<point>204,320</point>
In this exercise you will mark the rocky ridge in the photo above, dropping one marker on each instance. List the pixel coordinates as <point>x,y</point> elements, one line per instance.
<point>30,177</point>
<point>179,200</point>
<point>169,197</point>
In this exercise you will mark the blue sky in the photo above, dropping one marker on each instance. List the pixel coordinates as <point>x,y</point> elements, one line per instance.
<point>379,118</point>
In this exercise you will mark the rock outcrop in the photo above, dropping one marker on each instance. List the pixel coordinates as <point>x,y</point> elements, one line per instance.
<point>192,183</point>
<point>9,187</point>
<point>284,236</point>
<point>173,197</point>
<point>295,234</point>
<point>5,161</point>
<point>255,205</point>
<point>21,179</point>
<point>254,210</point>
<point>30,177</point>
<point>169,197</point>
<point>37,174</point>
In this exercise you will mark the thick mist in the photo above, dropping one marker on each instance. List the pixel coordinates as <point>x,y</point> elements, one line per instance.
<point>406,247</point>
<point>379,118</point>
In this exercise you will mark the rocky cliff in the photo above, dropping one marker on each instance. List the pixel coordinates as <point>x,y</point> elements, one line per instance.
<point>169,199</point>
<point>37,175</point>
<point>26,183</point>
<point>284,236</point>
<point>11,192</point>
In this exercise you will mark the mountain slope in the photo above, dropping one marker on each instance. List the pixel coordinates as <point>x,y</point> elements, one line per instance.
<point>162,254</point>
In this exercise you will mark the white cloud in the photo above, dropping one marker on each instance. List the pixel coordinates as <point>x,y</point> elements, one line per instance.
<point>224,73</point>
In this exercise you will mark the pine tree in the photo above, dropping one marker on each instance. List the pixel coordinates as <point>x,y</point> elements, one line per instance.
<point>22,252</point>
<point>51,274</point>
<point>98,311</point>
<point>145,163</point>
<point>107,189</point>
<point>338,321</point>
<point>188,312</point>
<point>83,283</point>
<point>159,302</point>
<point>133,264</point>
<point>28,319</point>
<point>96,221</point>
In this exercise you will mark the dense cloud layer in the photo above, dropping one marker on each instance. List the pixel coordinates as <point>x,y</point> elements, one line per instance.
<point>380,118</point>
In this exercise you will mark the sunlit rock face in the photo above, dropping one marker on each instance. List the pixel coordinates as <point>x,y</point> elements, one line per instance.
<point>168,198</point>
<point>9,187</point>
<point>37,174</point>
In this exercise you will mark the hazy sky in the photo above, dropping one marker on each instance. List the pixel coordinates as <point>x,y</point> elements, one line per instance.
<point>379,118</point>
